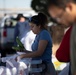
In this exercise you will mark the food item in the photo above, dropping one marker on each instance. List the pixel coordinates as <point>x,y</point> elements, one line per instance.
<point>19,43</point>
<point>20,46</point>
<point>16,48</point>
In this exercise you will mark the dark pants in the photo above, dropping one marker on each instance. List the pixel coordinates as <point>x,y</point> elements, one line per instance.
<point>3,52</point>
<point>47,69</point>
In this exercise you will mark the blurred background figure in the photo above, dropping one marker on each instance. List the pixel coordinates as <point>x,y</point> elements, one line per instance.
<point>21,28</point>
<point>23,31</point>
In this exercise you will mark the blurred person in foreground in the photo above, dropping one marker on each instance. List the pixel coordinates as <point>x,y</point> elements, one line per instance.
<point>42,45</point>
<point>64,12</point>
<point>21,28</point>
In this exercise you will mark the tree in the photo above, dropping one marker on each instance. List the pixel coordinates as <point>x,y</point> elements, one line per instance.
<point>39,6</point>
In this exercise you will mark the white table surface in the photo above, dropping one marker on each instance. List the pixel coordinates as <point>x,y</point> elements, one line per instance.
<point>13,67</point>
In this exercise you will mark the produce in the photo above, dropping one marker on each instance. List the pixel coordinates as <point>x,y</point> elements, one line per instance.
<point>20,46</point>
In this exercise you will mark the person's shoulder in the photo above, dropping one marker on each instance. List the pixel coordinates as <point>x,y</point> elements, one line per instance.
<point>26,22</point>
<point>18,23</point>
<point>45,31</point>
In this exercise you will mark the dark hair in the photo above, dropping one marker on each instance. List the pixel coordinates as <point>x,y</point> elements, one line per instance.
<point>19,17</point>
<point>59,3</point>
<point>40,19</point>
